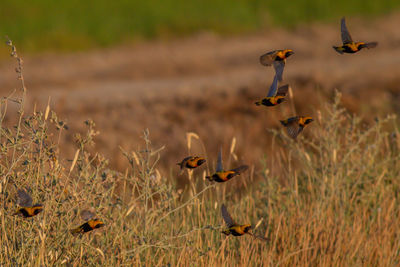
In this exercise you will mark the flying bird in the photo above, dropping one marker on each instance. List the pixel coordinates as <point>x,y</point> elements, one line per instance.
<point>221,175</point>
<point>233,227</point>
<point>191,162</point>
<point>349,46</point>
<point>275,95</point>
<point>278,59</point>
<point>295,125</point>
<point>26,209</point>
<point>90,223</point>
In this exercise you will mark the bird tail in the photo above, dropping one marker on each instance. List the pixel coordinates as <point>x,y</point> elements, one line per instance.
<point>226,232</point>
<point>76,231</point>
<point>180,165</point>
<point>258,103</point>
<point>209,178</point>
<point>17,211</point>
<point>338,49</point>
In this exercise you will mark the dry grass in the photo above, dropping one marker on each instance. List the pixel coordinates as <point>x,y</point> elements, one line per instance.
<point>330,199</point>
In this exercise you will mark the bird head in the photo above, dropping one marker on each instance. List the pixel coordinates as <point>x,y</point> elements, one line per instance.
<point>288,52</point>
<point>200,161</point>
<point>246,227</point>
<point>96,223</point>
<point>308,120</point>
<point>280,99</point>
<point>37,209</point>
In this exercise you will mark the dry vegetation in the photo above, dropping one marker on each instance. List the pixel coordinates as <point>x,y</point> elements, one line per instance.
<point>333,202</point>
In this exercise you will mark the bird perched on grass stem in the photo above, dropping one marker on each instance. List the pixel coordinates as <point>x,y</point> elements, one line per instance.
<point>275,95</point>
<point>222,176</point>
<point>349,46</point>
<point>295,125</point>
<point>191,162</point>
<point>89,225</point>
<point>26,209</point>
<point>278,59</point>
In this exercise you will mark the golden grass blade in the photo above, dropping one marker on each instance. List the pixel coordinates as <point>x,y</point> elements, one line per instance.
<point>74,161</point>
<point>46,114</point>
<point>101,252</point>
<point>204,175</point>
<point>129,210</point>
<point>233,144</point>
<point>189,136</point>
<point>157,151</point>
<point>258,223</point>
<point>291,96</point>
<point>232,150</point>
<point>135,156</point>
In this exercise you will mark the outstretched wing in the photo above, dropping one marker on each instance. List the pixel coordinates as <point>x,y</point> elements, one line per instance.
<point>293,128</point>
<point>274,87</point>
<point>268,58</point>
<point>282,91</point>
<point>369,45</point>
<point>24,199</point>
<point>279,66</point>
<point>86,215</point>
<point>227,217</point>
<point>240,169</point>
<point>346,37</point>
<point>219,162</point>
<point>183,162</point>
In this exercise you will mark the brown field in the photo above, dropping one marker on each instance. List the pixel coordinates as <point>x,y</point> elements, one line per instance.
<point>207,84</point>
<point>330,199</point>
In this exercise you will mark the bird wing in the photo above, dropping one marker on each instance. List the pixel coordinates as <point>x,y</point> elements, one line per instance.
<point>183,162</point>
<point>186,159</point>
<point>370,45</point>
<point>268,58</point>
<point>279,66</point>
<point>282,91</point>
<point>24,199</point>
<point>86,215</point>
<point>240,169</point>
<point>219,162</point>
<point>227,217</point>
<point>274,87</point>
<point>346,37</point>
<point>293,128</point>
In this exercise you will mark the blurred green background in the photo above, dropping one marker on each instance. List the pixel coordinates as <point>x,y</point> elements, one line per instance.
<point>43,25</point>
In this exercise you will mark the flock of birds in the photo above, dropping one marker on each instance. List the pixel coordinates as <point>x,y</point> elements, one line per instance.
<point>275,96</point>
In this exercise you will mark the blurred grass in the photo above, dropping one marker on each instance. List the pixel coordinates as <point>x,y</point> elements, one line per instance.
<point>75,25</point>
